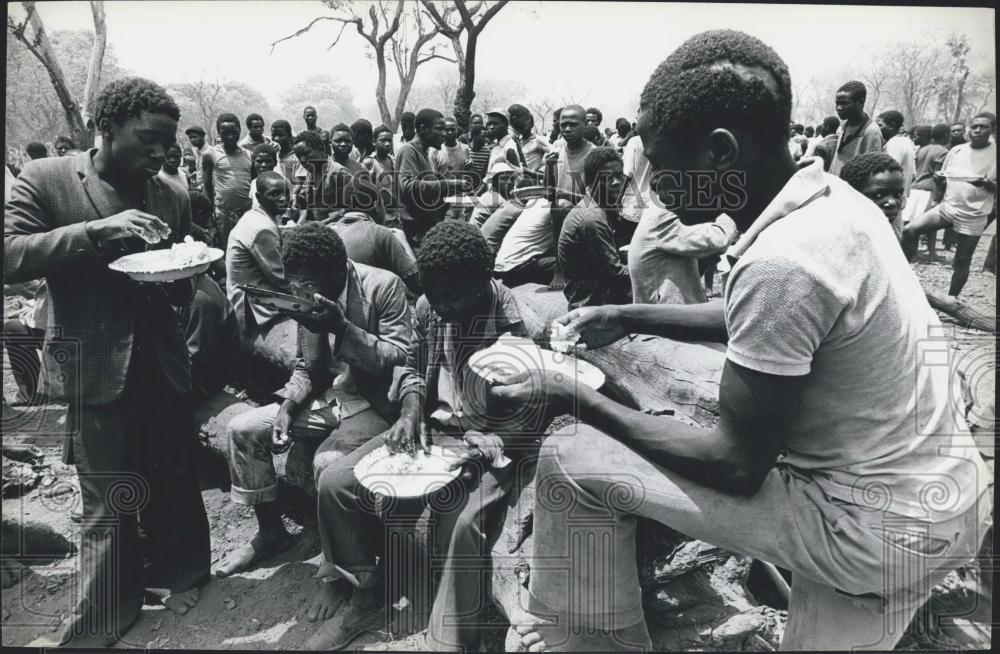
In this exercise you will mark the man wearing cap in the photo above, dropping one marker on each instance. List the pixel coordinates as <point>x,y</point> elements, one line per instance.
<point>507,148</point>
<point>196,136</point>
<point>533,147</point>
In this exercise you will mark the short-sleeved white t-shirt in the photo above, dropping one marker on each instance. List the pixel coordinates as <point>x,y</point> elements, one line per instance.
<point>825,293</point>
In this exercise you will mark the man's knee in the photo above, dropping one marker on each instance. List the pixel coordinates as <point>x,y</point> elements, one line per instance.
<point>336,484</point>
<point>245,433</point>
<point>573,443</point>
<point>322,461</point>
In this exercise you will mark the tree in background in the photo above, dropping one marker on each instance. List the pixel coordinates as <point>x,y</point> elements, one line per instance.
<point>333,101</point>
<point>395,32</point>
<point>77,108</point>
<point>453,20</point>
<point>202,101</point>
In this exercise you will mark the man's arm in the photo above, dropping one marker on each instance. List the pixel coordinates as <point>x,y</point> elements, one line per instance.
<point>32,247</point>
<point>414,183</point>
<point>756,411</point>
<point>696,241</point>
<point>378,353</point>
<point>207,167</point>
<point>266,251</point>
<point>412,373</point>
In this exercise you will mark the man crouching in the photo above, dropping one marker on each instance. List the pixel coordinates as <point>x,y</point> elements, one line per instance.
<point>348,348</point>
<point>462,312</point>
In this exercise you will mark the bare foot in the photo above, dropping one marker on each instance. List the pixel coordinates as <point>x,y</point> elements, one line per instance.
<point>364,611</point>
<point>260,548</point>
<point>180,603</point>
<point>558,283</point>
<point>328,600</point>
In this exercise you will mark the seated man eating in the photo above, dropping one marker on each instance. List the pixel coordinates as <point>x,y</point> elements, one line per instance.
<point>837,454</point>
<point>348,348</point>
<point>463,311</point>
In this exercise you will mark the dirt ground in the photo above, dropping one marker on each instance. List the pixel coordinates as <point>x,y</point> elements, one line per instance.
<point>265,608</point>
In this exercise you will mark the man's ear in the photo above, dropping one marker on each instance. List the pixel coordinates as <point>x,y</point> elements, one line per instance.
<point>723,149</point>
<point>105,128</point>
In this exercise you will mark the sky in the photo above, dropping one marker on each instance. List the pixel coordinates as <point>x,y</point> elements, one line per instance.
<point>602,51</point>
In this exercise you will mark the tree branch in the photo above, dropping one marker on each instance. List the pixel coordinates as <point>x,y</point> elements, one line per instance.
<point>308,27</point>
<point>490,13</point>
<point>339,34</point>
<point>424,60</point>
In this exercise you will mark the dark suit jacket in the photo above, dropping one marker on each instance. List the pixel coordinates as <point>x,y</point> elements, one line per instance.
<point>375,342</point>
<point>94,312</point>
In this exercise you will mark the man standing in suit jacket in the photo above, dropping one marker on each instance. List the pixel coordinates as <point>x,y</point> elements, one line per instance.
<point>115,353</point>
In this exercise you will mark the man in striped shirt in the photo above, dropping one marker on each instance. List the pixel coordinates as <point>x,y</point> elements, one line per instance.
<point>859,133</point>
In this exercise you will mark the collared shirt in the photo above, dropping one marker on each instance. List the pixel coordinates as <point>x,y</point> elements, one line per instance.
<point>900,148</point>
<point>343,388</point>
<point>663,256</point>
<point>253,257</point>
<point>822,292</point>
<point>249,144</point>
<point>504,150</point>
<point>374,245</point>
<point>852,142</point>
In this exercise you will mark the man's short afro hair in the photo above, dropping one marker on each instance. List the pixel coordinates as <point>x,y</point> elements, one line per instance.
<point>892,118</point>
<point>127,98</point>
<point>719,78</point>
<point>456,249</point>
<point>860,169</point>
<point>595,160</point>
<point>314,247</point>
<point>312,140</point>
<point>855,89</point>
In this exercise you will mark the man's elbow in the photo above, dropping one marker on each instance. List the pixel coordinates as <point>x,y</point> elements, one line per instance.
<point>745,479</point>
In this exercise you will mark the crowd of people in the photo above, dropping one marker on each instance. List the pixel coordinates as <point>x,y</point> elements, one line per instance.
<point>406,245</point>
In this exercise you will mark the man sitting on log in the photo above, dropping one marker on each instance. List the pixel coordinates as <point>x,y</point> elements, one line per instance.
<point>463,311</point>
<point>837,454</point>
<point>348,348</point>
<point>588,254</point>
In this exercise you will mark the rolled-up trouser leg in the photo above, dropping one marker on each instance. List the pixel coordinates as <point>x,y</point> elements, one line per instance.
<point>251,461</point>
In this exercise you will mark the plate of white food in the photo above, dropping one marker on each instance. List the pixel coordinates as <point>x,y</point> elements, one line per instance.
<point>181,261</point>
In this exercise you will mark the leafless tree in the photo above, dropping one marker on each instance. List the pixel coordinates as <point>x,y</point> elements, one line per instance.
<point>453,20</point>
<point>396,32</point>
<point>31,32</point>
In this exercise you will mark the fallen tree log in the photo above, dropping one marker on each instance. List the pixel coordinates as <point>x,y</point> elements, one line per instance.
<point>964,314</point>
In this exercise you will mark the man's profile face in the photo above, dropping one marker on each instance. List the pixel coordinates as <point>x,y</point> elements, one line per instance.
<point>433,136</point>
<point>196,139</point>
<point>886,130</point>
<point>980,131</point>
<point>848,108</point>
<point>229,132</point>
<point>256,129</point>
<point>309,115</point>
<point>921,137</point>
<point>342,142</point>
<point>139,145</point>
<point>306,283</point>
<point>571,124</point>
<point>307,155</point>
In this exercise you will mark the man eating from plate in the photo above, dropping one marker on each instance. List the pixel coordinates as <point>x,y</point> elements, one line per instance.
<point>837,454</point>
<point>116,354</point>
<point>462,312</point>
<point>336,398</point>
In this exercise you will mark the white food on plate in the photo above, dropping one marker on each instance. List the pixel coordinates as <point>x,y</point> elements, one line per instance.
<point>179,256</point>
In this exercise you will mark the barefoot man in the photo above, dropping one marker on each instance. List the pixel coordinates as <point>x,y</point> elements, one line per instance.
<point>347,350</point>
<point>837,454</point>
<point>121,358</point>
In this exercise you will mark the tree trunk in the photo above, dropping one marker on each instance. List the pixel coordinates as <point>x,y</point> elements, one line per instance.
<point>966,315</point>
<point>94,70</point>
<point>959,99</point>
<point>460,106</point>
<point>383,106</point>
<point>42,49</point>
<point>467,82</point>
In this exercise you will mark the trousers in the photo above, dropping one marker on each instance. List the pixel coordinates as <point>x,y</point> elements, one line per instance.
<point>136,460</point>
<point>858,576</point>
